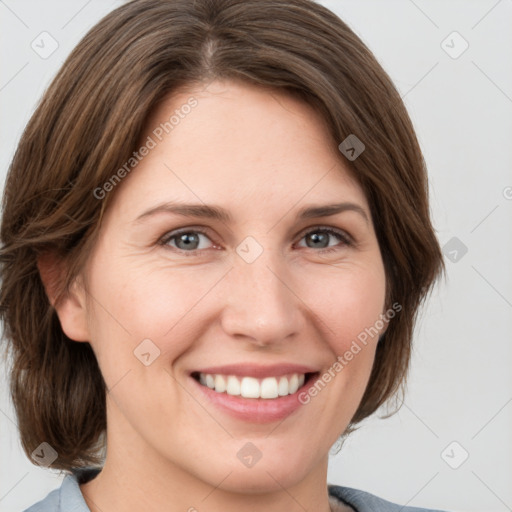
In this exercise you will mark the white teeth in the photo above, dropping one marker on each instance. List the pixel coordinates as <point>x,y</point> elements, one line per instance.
<point>210,381</point>
<point>250,387</point>
<point>269,388</point>
<point>294,384</point>
<point>220,383</point>
<point>283,386</point>
<point>233,387</point>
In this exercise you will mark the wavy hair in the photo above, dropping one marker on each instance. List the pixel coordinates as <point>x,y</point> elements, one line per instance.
<point>88,124</point>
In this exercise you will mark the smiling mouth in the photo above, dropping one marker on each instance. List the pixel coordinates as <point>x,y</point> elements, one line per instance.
<point>251,387</point>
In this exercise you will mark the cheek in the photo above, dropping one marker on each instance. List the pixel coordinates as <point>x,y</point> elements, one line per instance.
<point>350,302</point>
<point>133,304</point>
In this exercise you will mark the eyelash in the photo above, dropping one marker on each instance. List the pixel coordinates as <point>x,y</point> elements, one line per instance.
<point>344,238</point>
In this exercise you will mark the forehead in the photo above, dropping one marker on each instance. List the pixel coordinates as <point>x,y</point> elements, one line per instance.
<point>240,145</point>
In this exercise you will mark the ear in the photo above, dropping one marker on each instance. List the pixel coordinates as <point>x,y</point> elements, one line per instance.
<point>386,325</point>
<point>72,307</point>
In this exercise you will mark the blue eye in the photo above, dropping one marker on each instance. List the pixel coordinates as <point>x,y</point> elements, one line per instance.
<point>188,241</point>
<point>325,233</point>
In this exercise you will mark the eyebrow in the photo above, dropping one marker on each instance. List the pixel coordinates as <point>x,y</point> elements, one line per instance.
<point>217,213</point>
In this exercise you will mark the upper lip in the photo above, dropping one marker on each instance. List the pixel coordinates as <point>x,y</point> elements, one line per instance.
<point>255,370</point>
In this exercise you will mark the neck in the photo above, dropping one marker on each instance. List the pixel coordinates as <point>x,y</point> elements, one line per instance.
<point>117,491</point>
<point>136,477</point>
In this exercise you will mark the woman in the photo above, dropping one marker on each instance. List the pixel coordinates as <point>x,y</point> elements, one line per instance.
<point>216,238</point>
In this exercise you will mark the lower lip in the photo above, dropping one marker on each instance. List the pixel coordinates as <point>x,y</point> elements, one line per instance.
<point>256,410</point>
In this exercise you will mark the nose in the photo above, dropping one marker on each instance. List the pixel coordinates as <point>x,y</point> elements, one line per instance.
<point>260,304</point>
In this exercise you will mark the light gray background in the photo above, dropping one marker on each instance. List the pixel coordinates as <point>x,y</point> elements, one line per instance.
<point>460,385</point>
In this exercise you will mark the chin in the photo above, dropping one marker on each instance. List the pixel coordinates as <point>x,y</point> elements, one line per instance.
<point>270,475</point>
<point>264,480</point>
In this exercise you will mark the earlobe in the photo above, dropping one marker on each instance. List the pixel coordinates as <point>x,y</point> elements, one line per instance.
<point>71,306</point>
<point>385,320</point>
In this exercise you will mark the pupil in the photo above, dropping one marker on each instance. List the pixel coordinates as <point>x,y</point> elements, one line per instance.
<point>188,239</point>
<point>319,237</point>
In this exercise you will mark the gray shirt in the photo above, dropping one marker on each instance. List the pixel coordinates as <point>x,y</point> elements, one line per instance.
<point>69,498</point>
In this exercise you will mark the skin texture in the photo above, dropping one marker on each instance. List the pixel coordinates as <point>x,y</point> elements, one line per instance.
<point>261,155</point>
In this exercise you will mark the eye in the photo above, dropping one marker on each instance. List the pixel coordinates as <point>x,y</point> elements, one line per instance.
<point>185,241</point>
<point>319,237</point>
<point>188,241</point>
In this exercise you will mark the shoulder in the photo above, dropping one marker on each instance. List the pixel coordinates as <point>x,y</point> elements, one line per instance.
<point>50,503</point>
<point>363,501</point>
<point>68,496</point>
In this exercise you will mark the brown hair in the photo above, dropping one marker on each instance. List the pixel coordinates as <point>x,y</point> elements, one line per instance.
<point>89,122</point>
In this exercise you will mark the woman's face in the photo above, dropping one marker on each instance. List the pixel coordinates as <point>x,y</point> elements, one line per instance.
<point>259,289</point>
